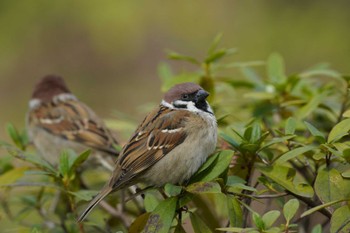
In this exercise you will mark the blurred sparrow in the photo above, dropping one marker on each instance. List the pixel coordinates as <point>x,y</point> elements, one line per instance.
<point>169,146</point>
<point>57,120</point>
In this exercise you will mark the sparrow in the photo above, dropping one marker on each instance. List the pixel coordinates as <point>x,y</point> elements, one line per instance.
<point>57,119</point>
<point>169,146</point>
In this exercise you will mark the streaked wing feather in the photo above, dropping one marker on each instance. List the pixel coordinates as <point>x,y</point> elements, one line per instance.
<point>75,121</point>
<point>145,149</point>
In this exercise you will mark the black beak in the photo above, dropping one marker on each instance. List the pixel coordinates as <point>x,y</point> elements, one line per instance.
<point>201,95</point>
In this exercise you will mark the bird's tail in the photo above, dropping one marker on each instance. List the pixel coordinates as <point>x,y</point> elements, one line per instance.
<point>105,191</point>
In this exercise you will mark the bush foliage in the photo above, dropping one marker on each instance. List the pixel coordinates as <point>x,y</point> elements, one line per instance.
<point>281,164</point>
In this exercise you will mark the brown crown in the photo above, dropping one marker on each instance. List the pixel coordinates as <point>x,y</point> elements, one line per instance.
<point>48,87</point>
<point>178,90</point>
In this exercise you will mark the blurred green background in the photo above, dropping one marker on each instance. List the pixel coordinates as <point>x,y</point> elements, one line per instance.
<point>108,51</point>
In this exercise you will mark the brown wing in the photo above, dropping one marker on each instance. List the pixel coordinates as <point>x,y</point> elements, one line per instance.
<point>75,121</point>
<point>160,132</point>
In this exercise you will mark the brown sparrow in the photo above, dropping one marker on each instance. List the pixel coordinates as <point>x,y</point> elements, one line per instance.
<point>58,120</point>
<point>170,144</point>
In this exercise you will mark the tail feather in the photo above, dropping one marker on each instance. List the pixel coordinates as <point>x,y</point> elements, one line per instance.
<point>107,190</point>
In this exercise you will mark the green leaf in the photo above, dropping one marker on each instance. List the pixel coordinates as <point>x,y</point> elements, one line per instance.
<point>270,217</point>
<point>259,223</point>
<point>64,165</point>
<point>215,43</point>
<point>15,135</point>
<point>276,141</point>
<point>150,202</point>
<point>315,132</point>
<point>290,209</point>
<point>19,154</point>
<point>340,220</point>
<point>208,164</point>
<point>198,224</point>
<point>162,217</point>
<point>204,187</point>
<point>290,126</point>
<point>233,180</point>
<point>317,208</point>
<point>339,130</point>
<point>346,113</point>
<point>139,224</point>
<point>317,229</point>
<point>172,190</point>
<point>217,168</point>
<point>312,105</point>
<point>176,56</point>
<point>235,212</point>
<point>12,175</point>
<point>253,133</point>
<point>293,153</point>
<point>230,140</point>
<point>253,77</point>
<point>217,55</point>
<point>285,177</point>
<point>79,160</point>
<point>276,69</point>
<point>85,195</point>
<point>329,185</point>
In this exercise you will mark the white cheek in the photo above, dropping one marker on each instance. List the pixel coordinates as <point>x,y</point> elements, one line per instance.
<point>34,103</point>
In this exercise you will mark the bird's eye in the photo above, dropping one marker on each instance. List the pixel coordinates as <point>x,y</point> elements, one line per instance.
<point>185,97</point>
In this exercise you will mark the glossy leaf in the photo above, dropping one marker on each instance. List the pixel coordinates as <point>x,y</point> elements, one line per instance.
<point>172,190</point>
<point>339,130</point>
<point>235,212</point>
<point>329,185</point>
<point>290,209</point>
<point>139,223</point>
<point>204,187</point>
<point>270,218</point>
<point>160,220</point>
<point>198,224</point>
<point>293,153</point>
<point>230,140</point>
<point>259,223</point>
<point>315,132</point>
<point>150,202</point>
<point>285,176</point>
<point>216,168</point>
<point>340,220</point>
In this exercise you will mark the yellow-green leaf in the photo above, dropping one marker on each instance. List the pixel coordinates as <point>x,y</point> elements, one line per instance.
<point>12,175</point>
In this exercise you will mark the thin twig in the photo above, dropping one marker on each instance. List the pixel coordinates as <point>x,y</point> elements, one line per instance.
<point>267,196</point>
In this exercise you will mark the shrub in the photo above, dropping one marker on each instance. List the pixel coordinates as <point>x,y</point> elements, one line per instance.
<point>281,164</point>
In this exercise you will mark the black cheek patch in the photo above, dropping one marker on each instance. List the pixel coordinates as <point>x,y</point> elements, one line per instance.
<point>202,105</point>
